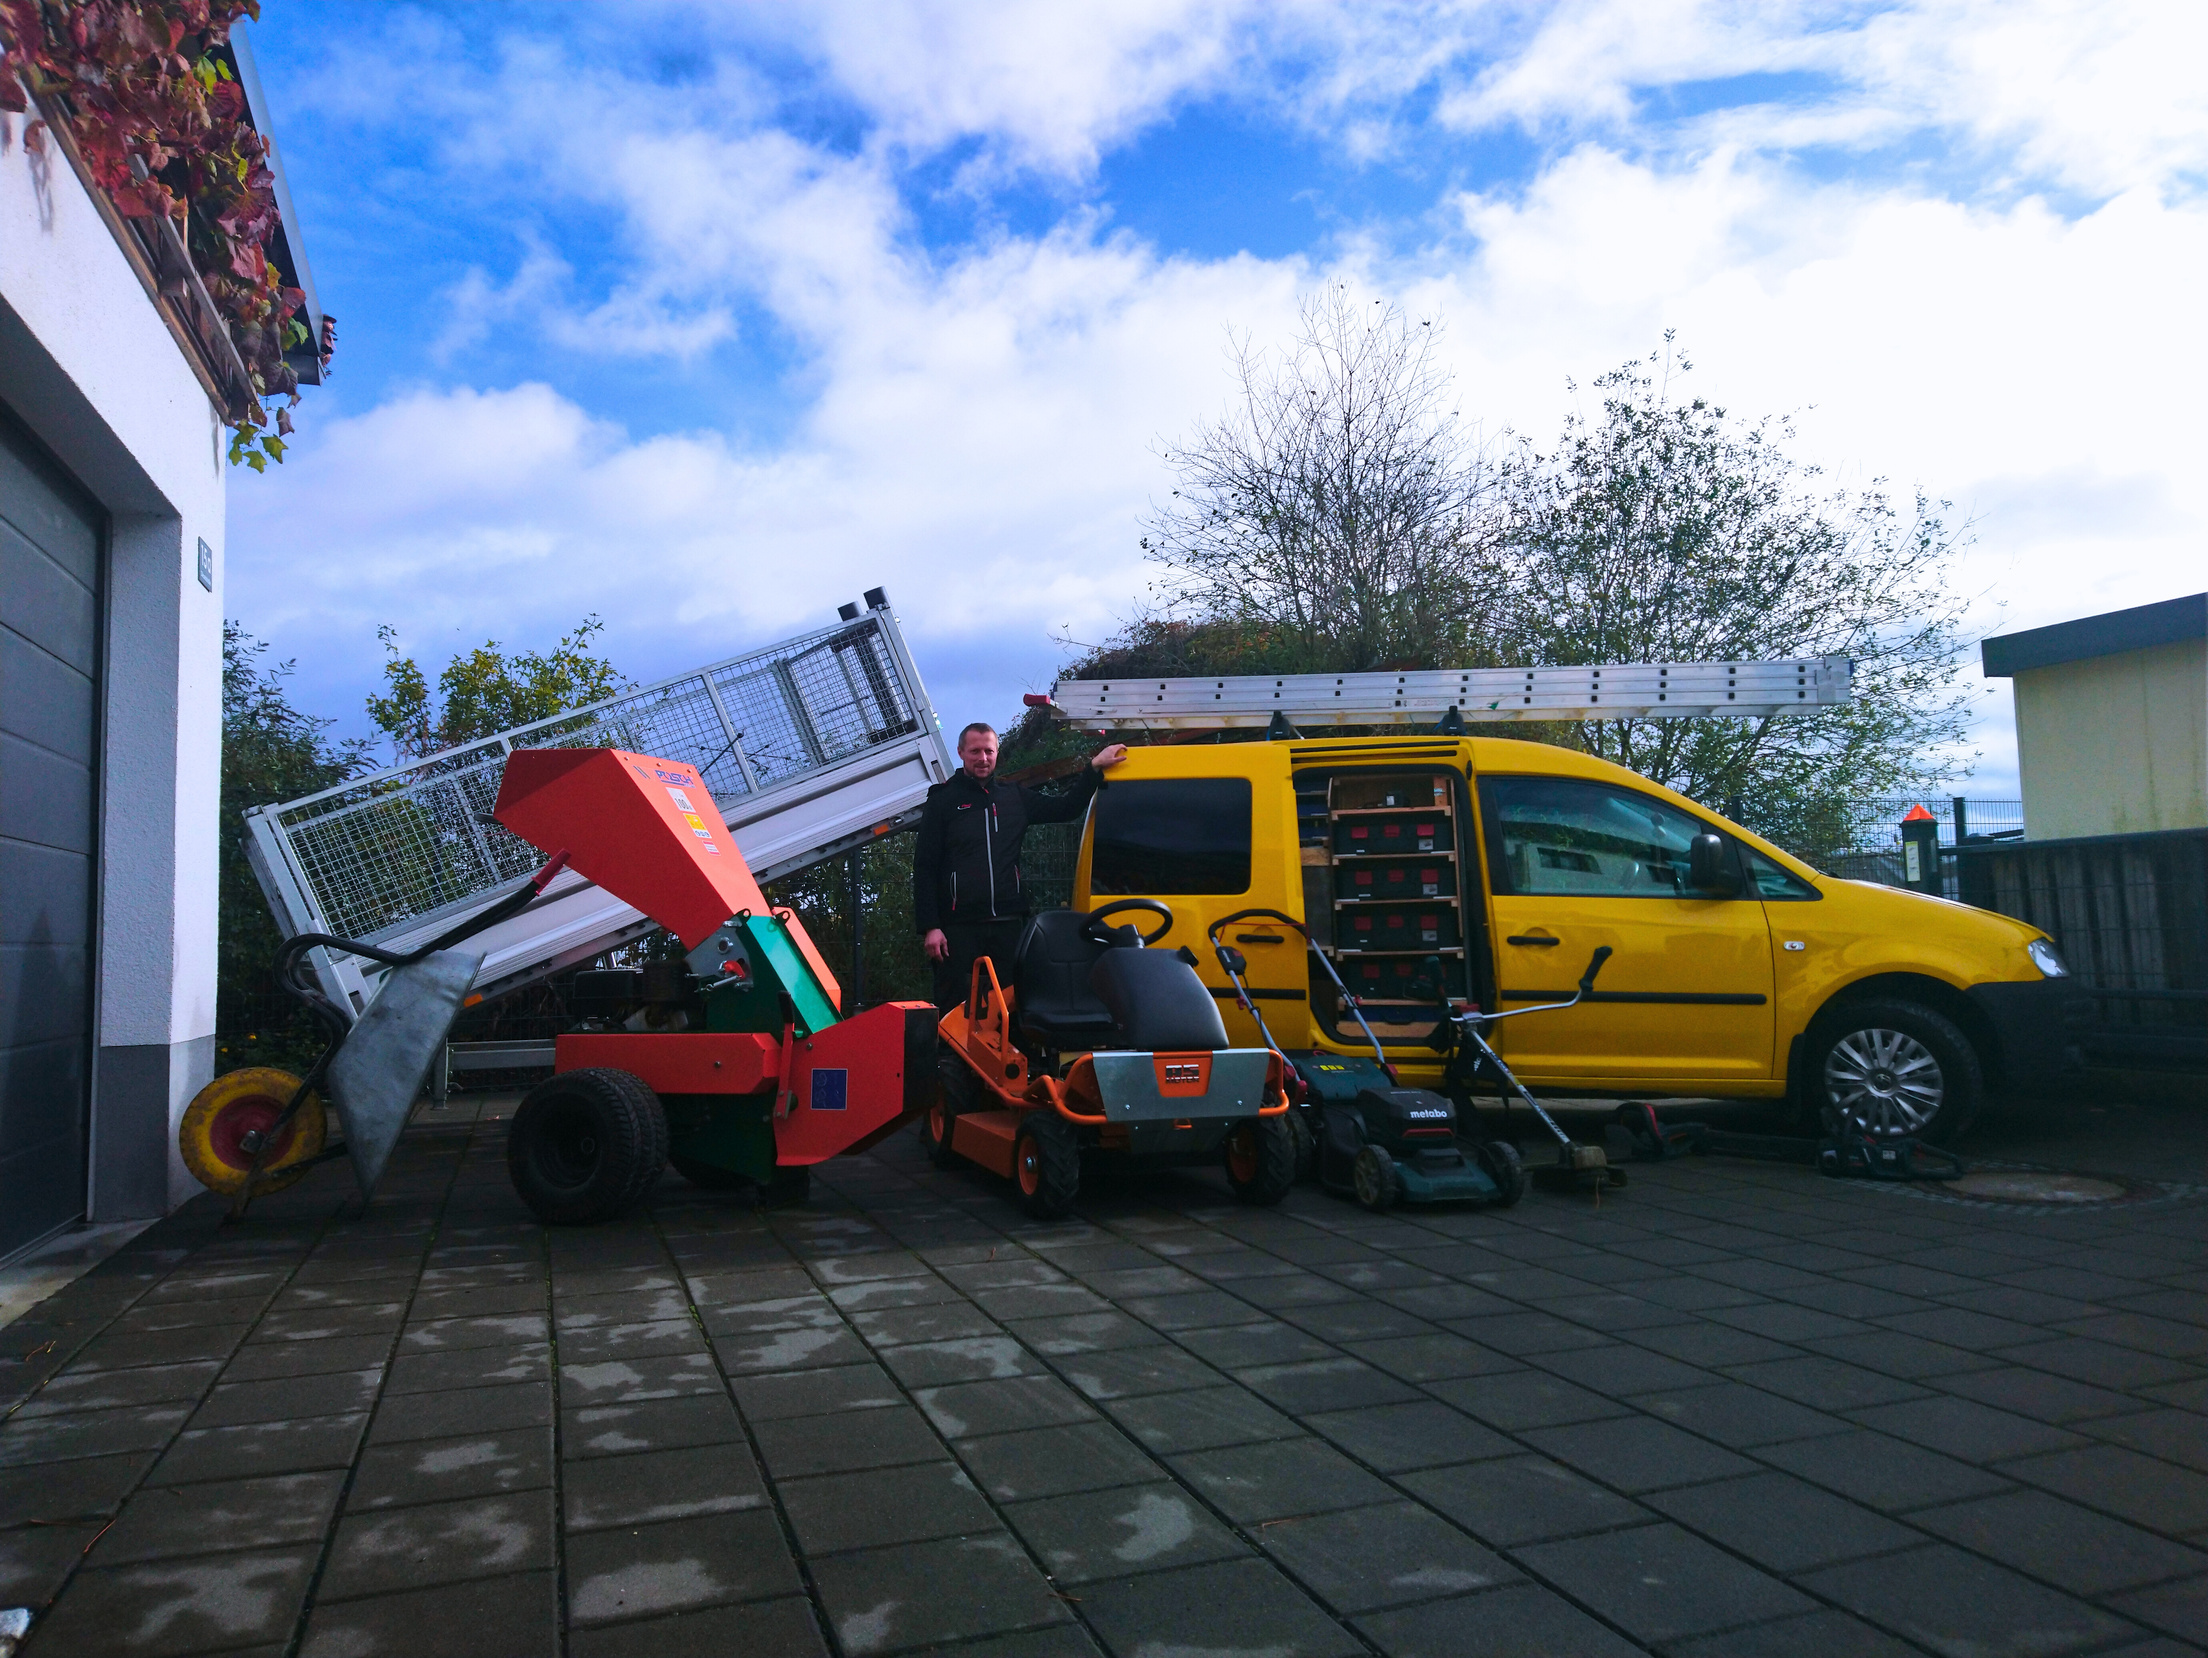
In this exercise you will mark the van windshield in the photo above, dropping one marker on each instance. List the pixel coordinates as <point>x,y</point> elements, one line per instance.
<point>1172,835</point>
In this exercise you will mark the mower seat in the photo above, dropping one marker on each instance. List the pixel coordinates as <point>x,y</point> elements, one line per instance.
<point>1053,1004</point>
<point>1157,1003</point>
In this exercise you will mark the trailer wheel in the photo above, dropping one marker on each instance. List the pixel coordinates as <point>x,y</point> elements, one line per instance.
<point>586,1146</point>
<point>1893,1068</point>
<point>1373,1178</point>
<point>1261,1160</point>
<point>1500,1162</point>
<point>1046,1165</point>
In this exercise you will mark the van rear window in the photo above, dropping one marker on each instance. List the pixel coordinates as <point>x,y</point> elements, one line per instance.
<point>1169,835</point>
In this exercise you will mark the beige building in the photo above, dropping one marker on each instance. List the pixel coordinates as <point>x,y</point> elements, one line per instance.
<point>2111,719</point>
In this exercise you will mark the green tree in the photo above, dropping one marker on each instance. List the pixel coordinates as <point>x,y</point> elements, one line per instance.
<point>270,752</point>
<point>485,690</point>
<point>1666,530</point>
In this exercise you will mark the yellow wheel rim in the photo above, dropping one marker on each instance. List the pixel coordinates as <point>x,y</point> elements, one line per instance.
<point>227,1109</point>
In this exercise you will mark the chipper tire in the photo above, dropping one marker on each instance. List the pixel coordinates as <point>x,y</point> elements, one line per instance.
<point>1261,1160</point>
<point>239,1102</point>
<point>1500,1162</point>
<point>1373,1178</point>
<point>586,1146</point>
<point>1046,1165</point>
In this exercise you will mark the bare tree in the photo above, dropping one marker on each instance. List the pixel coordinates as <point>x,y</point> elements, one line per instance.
<point>1338,506</point>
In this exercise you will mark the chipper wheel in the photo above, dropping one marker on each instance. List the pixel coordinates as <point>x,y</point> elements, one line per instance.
<point>586,1146</point>
<point>227,1109</point>
<point>1374,1178</point>
<point>1046,1165</point>
<point>1261,1160</point>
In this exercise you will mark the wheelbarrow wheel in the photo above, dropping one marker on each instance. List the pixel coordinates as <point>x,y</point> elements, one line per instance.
<point>1373,1177</point>
<point>1261,1160</point>
<point>586,1146</point>
<point>1500,1162</point>
<point>240,1103</point>
<point>1046,1165</point>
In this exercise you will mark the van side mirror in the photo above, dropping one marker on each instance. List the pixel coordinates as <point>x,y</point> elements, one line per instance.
<point>1708,868</point>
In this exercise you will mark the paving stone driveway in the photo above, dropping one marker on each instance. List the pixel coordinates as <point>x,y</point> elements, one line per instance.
<point>1735,1410</point>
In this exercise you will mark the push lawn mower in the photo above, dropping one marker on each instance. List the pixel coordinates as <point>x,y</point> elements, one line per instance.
<point>1372,1139</point>
<point>1101,1043</point>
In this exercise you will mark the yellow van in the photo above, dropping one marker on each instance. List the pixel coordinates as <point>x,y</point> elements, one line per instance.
<point>1444,871</point>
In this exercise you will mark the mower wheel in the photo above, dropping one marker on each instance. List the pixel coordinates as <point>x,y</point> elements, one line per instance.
<point>1499,1161</point>
<point>1046,1165</point>
<point>953,1094</point>
<point>788,1188</point>
<point>1307,1144</point>
<point>1373,1177</point>
<point>1261,1160</point>
<point>709,1175</point>
<point>243,1102</point>
<point>586,1146</point>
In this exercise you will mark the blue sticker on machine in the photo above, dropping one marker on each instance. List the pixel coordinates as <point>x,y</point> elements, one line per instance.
<point>831,1089</point>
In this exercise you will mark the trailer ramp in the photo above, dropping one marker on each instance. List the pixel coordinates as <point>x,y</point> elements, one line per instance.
<point>809,747</point>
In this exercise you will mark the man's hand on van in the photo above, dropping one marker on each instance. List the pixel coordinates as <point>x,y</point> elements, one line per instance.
<point>1109,756</point>
<point>935,946</point>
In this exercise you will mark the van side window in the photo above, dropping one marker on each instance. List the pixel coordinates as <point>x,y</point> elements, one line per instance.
<point>1773,884</point>
<point>1560,835</point>
<point>1169,835</point>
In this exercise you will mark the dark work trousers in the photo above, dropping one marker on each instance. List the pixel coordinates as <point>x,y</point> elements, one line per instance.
<point>969,943</point>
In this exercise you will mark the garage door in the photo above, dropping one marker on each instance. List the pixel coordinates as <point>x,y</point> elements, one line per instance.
<point>49,733</point>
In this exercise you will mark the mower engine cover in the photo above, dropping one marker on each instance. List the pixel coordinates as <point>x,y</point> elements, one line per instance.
<point>1407,1120</point>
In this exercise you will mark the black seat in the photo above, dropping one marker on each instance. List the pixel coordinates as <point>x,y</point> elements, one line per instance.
<point>1054,1006</point>
<point>1157,1003</point>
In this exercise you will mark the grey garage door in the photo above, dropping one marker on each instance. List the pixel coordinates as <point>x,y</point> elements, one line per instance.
<point>49,735</point>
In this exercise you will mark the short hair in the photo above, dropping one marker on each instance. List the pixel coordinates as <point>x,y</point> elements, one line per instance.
<point>978,725</point>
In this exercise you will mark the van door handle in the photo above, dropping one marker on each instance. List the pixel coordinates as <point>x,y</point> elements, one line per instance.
<point>1538,941</point>
<point>1257,938</point>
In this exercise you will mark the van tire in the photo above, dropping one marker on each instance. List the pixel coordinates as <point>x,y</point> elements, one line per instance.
<point>1046,1165</point>
<point>1891,1068</point>
<point>1261,1160</point>
<point>586,1146</point>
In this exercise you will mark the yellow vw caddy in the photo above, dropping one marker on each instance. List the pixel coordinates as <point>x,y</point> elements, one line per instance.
<point>1442,871</point>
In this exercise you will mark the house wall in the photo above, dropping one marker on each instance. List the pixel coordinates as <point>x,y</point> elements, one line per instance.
<point>89,366</point>
<point>2117,744</point>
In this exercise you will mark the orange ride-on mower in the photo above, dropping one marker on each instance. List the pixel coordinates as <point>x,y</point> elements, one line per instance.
<point>1100,1043</point>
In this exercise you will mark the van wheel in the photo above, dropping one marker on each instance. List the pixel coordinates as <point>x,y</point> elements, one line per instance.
<point>1261,1160</point>
<point>1500,1162</point>
<point>586,1146</point>
<point>1373,1177</point>
<point>1893,1068</point>
<point>1046,1165</point>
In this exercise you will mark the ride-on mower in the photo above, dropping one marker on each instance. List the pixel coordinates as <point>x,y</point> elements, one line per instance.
<point>1103,1044</point>
<point>1371,1138</point>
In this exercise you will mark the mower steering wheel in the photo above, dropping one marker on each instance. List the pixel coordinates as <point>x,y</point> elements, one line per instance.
<point>1116,905</point>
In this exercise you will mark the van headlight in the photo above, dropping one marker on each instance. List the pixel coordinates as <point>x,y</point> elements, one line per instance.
<point>2046,959</point>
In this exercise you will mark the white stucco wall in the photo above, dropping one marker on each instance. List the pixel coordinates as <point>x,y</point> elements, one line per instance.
<point>2115,745</point>
<point>87,362</point>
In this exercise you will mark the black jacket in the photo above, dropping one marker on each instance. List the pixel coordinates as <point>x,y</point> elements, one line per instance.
<point>966,868</point>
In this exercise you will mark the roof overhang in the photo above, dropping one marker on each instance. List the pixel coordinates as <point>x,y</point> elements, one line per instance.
<point>2168,623</point>
<point>287,249</point>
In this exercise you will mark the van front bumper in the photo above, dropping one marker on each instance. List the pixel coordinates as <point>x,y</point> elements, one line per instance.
<point>2039,1029</point>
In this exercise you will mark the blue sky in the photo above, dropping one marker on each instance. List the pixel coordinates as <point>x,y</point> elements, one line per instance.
<point>706,318</point>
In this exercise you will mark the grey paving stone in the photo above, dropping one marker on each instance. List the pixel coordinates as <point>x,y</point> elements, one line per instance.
<point>2166,1336</point>
<point>1084,1333</point>
<point>471,1410</point>
<point>262,1448</point>
<point>154,1318</point>
<point>158,1384</point>
<point>1956,1604</point>
<point>1784,1321</point>
<point>165,1521</point>
<point>1782,1523</point>
<point>1737,1415</point>
<point>2038,1395</point>
<point>1891,1353</point>
<point>803,1310</point>
<point>1966,1429</point>
<point>1421,1434</point>
<point>440,1470</point>
<point>262,1361</point>
<point>1379,1273</point>
<point>338,1393</point>
<point>1885,1473</point>
<point>809,1347</point>
<point>1660,1583</point>
<point>621,1381</point>
<point>1706,1344</point>
<point>2142,1489</point>
<point>1132,1371</point>
<point>655,1425</point>
<point>1050,1462</point>
<point>1525,1399</point>
<point>1363,1559</point>
<point>1203,1310</point>
<point>1154,1279</point>
<point>2099,1362</point>
<point>1290,1291</point>
<point>1634,1454</point>
<point>966,1408</point>
<point>1443,1300</point>
<point>892,1600</point>
<point>379,1318</point>
<point>653,1486</point>
<point>1825,1633</point>
<point>88,1433</point>
<point>1824,1384</point>
<point>841,1444</point>
<point>1436,1357</point>
<point>162,1607</point>
<point>973,1359</point>
<point>1120,1532</point>
<point>443,1622</point>
<point>35,1559</point>
<point>487,1301</point>
<point>1621,1369</point>
<point>1241,1265</point>
<point>815,1392</point>
<point>1359,1321</point>
<point>2060,1543</point>
<point>1039,1301</point>
<point>389,1550</point>
<point>1200,1419</point>
<point>468,1367</point>
<point>2179,1608</point>
<point>2179,1436</point>
<point>1509,1623</point>
<point>1235,1606</point>
<point>1239,1346</point>
<point>1516,1500</point>
<point>1251,1484</point>
<point>761,1629</point>
<point>446,1334</point>
<point>944,1322</point>
<point>657,1339</point>
<point>1019,1270</point>
<point>913,1504</point>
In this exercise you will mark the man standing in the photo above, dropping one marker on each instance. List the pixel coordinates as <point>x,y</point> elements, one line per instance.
<point>967,897</point>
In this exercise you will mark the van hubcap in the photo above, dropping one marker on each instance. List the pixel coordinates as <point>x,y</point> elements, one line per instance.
<point>1884,1082</point>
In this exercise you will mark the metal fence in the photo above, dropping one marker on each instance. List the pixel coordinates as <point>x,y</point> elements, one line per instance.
<point>385,852</point>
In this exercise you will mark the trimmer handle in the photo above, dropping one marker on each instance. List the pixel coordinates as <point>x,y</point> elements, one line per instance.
<point>1603,953</point>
